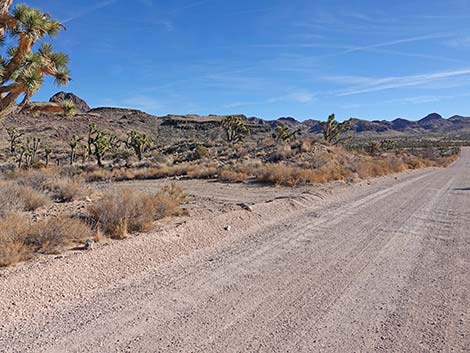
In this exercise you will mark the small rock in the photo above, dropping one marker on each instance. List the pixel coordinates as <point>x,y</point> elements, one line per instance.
<point>89,245</point>
<point>87,199</point>
<point>246,207</point>
<point>228,228</point>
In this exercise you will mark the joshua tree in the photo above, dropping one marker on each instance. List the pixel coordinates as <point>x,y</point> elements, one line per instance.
<point>23,67</point>
<point>138,142</point>
<point>283,133</point>
<point>235,128</point>
<point>373,148</point>
<point>84,153</point>
<point>69,107</point>
<point>14,136</point>
<point>100,142</point>
<point>74,141</point>
<point>47,153</point>
<point>333,131</point>
<point>28,152</point>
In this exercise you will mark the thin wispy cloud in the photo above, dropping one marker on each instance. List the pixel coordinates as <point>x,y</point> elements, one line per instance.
<point>88,11</point>
<point>416,55</point>
<point>366,85</point>
<point>416,100</point>
<point>396,42</point>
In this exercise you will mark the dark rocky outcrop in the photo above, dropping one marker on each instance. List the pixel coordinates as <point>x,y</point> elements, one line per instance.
<point>81,105</point>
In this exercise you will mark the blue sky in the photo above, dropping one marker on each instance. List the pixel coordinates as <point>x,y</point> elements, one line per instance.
<point>269,58</point>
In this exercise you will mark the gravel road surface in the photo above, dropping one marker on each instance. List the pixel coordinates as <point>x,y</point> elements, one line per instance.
<point>374,267</point>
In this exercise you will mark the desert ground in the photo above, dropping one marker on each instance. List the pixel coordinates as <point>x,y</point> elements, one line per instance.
<point>380,265</point>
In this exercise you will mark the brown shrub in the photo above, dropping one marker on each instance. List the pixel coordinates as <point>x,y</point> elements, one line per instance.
<point>281,174</point>
<point>234,176</point>
<point>200,152</point>
<point>138,174</point>
<point>203,172</point>
<point>13,249</point>
<point>37,179</point>
<point>168,201</point>
<point>52,181</point>
<point>54,235</point>
<point>124,211</point>
<point>66,189</point>
<point>14,197</point>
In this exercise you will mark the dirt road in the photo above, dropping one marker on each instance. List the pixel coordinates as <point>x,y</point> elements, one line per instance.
<point>381,267</point>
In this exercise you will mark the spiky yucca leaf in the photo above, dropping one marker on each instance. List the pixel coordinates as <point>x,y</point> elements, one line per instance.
<point>31,79</point>
<point>60,60</point>
<point>62,77</point>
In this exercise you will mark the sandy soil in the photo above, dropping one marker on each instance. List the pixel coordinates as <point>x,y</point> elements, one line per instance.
<point>379,266</point>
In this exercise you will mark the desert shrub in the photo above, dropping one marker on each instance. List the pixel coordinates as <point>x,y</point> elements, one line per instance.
<point>52,182</point>
<point>281,153</point>
<point>54,235</point>
<point>15,197</point>
<point>234,176</point>
<point>200,152</point>
<point>13,249</point>
<point>169,200</point>
<point>66,189</point>
<point>203,172</point>
<point>97,175</point>
<point>36,179</point>
<point>124,211</point>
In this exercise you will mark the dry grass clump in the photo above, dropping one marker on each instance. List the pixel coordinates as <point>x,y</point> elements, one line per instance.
<point>15,197</point>
<point>124,211</point>
<point>20,238</point>
<point>66,189</point>
<point>139,174</point>
<point>54,235</point>
<point>52,182</point>
<point>285,175</point>
<point>168,201</point>
<point>234,176</point>
<point>13,249</point>
<point>203,172</point>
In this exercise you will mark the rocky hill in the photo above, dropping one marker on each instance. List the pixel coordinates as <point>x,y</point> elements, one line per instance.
<point>172,129</point>
<point>81,105</point>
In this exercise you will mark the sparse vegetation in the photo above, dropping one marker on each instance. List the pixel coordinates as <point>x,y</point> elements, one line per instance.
<point>14,136</point>
<point>139,143</point>
<point>100,142</point>
<point>40,201</point>
<point>333,131</point>
<point>55,235</point>
<point>69,107</point>
<point>16,197</point>
<point>125,211</point>
<point>235,128</point>
<point>283,133</point>
<point>20,238</point>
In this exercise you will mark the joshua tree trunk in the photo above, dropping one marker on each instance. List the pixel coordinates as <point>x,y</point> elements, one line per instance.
<point>4,12</point>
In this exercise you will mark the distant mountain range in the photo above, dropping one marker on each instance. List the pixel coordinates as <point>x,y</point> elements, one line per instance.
<point>431,124</point>
<point>434,123</point>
